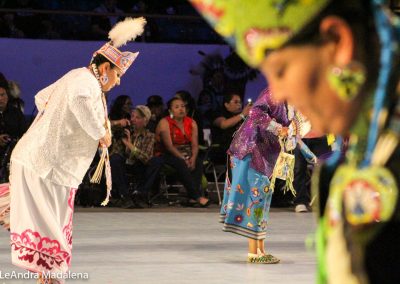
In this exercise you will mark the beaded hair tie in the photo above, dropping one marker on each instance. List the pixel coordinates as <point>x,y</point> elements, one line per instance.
<point>104,155</point>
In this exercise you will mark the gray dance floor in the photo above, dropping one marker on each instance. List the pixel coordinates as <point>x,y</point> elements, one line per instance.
<point>177,245</point>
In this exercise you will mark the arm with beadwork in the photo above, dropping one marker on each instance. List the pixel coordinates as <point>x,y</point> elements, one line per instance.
<point>263,113</point>
<point>306,152</point>
<point>299,127</point>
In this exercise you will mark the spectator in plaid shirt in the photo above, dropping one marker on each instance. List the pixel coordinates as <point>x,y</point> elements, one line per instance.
<point>134,155</point>
<point>141,142</point>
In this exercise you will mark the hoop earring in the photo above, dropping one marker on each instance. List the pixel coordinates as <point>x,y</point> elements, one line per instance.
<point>103,79</point>
<point>347,81</point>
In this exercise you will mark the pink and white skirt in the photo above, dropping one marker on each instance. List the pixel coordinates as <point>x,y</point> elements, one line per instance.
<point>41,222</point>
<point>5,205</point>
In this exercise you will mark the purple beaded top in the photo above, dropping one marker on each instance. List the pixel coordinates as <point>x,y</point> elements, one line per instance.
<point>254,138</point>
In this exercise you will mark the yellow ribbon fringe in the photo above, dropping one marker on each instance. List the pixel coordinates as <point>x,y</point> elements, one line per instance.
<point>96,178</point>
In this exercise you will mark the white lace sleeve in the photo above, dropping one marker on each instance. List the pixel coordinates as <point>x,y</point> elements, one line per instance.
<point>88,109</point>
<point>43,96</point>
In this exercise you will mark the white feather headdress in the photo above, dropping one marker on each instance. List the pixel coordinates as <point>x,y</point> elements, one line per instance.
<point>119,35</point>
<point>126,30</point>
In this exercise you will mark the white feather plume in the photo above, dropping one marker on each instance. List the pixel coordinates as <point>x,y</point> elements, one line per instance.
<point>126,30</point>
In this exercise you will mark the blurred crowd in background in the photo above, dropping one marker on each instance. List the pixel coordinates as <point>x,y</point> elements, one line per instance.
<point>168,21</point>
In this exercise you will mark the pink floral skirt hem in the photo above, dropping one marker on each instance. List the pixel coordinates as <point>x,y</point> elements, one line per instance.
<point>41,222</point>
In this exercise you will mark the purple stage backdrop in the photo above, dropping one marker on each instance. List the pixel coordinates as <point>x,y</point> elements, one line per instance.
<point>160,69</point>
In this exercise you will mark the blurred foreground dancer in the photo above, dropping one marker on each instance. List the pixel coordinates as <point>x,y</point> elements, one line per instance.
<point>337,62</point>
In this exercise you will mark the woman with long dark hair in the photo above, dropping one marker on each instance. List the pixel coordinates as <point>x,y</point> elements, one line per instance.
<point>337,62</point>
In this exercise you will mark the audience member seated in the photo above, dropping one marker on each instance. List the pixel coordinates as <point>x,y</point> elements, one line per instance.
<point>8,27</point>
<point>225,123</point>
<point>156,105</point>
<point>179,136</point>
<point>140,146</point>
<point>12,127</point>
<point>192,112</point>
<point>14,97</point>
<point>130,153</point>
<point>26,22</point>
<point>120,113</point>
<point>73,26</point>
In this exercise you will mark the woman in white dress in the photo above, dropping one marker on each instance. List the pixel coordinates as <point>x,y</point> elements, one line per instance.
<point>51,159</point>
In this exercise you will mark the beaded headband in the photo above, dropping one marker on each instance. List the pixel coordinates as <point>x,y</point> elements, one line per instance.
<point>254,26</point>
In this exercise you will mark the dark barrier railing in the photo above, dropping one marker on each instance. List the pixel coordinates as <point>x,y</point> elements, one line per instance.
<point>92,13</point>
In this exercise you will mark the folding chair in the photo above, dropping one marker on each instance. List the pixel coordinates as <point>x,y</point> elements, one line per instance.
<point>164,188</point>
<point>209,166</point>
